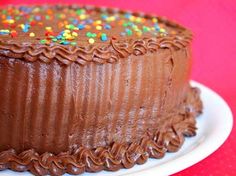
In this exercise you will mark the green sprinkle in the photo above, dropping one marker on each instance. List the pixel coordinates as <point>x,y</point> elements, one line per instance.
<point>94,35</point>
<point>129,32</point>
<point>79,11</point>
<point>54,39</point>
<point>145,29</point>
<point>89,34</point>
<point>130,23</point>
<point>47,17</point>
<point>43,41</point>
<point>73,43</point>
<point>125,24</point>
<point>71,26</point>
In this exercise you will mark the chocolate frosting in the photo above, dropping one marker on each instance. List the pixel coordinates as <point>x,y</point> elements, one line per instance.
<point>92,106</point>
<point>113,157</point>
<point>117,47</point>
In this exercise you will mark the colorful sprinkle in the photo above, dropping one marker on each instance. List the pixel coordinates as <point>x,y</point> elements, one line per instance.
<point>81,26</point>
<point>4,32</point>
<point>162,30</point>
<point>91,41</point>
<point>68,25</point>
<point>32,34</point>
<point>43,41</point>
<point>73,43</point>
<point>107,26</point>
<point>13,33</point>
<point>103,37</point>
<point>89,34</point>
<point>99,27</point>
<point>128,31</point>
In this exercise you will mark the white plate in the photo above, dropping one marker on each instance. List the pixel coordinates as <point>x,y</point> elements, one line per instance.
<point>214,126</point>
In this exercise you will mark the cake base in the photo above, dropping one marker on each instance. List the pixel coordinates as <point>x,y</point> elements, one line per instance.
<point>115,156</point>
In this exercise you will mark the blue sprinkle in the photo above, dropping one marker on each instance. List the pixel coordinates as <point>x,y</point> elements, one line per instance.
<point>59,37</point>
<point>157,28</point>
<point>75,21</point>
<point>104,16</point>
<point>89,21</point>
<point>107,26</point>
<point>25,9</point>
<point>9,17</point>
<point>104,38</point>
<point>64,42</point>
<point>80,26</point>
<point>127,15</point>
<point>26,28</point>
<point>4,33</point>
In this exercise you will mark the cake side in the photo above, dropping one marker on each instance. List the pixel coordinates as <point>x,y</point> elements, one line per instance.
<point>55,108</point>
<point>115,156</point>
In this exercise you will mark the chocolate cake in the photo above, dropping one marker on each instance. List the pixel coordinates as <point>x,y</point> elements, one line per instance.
<point>91,89</point>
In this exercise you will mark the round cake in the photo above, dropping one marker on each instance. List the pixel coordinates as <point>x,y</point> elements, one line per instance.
<point>85,89</point>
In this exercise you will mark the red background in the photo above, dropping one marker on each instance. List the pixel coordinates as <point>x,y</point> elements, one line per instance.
<point>214,50</point>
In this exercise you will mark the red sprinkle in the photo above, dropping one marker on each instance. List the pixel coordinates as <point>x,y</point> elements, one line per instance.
<point>13,33</point>
<point>33,23</point>
<point>49,33</point>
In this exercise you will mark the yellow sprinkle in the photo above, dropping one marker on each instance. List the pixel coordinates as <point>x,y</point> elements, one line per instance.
<point>162,34</point>
<point>75,34</point>
<point>48,28</point>
<point>112,18</point>
<point>5,30</point>
<point>154,20</point>
<point>32,34</point>
<point>91,40</point>
<point>99,28</point>
<point>138,19</point>
<point>136,29</point>
<point>139,33</point>
<point>132,18</point>
<point>82,16</point>
<point>98,22</point>
<point>162,30</point>
<point>22,26</point>
<point>70,37</point>
<point>67,31</point>
<point>11,21</point>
